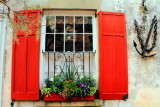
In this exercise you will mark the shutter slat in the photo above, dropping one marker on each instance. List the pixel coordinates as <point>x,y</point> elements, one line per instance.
<point>113,56</point>
<point>25,60</point>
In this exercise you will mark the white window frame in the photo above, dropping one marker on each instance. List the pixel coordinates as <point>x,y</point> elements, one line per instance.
<point>64,13</point>
<point>95,39</point>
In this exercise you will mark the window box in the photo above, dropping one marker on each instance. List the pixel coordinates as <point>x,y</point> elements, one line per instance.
<point>56,97</point>
<point>69,90</point>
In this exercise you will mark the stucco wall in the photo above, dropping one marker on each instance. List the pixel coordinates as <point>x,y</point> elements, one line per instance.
<point>32,4</point>
<point>144,74</point>
<point>2,45</point>
<point>61,4</point>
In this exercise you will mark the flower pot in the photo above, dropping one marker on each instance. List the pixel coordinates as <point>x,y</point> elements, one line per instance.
<point>56,97</point>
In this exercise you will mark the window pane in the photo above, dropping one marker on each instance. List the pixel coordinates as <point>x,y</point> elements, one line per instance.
<point>59,39</point>
<point>79,24</point>
<point>88,24</point>
<point>50,24</point>
<point>88,42</point>
<point>59,24</point>
<point>79,42</point>
<point>49,42</point>
<point>69,24</point>
<point>69,42</point>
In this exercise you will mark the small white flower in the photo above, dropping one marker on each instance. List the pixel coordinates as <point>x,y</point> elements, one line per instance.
<point>81,76</point>
<point>51,79</point>
<point>94,76</point>
<point>44,85</point>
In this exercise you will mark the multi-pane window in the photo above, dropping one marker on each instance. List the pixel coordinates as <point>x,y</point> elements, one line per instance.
<point>69,33</point>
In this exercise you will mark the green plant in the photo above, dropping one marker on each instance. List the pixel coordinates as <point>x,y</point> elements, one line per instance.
<point>69,86</point>
<point>70,73</point>
<point>52,85</point>
<point>48,82</point>
<point>48,87</point>
<point>86,86</point>
<point>86,79</point>
<point>92,91</point>
<point>46,91</point>
<point>58,84</point>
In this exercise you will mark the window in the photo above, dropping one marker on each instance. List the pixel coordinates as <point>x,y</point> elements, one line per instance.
<point>112,53</point>
<point>69,33</point>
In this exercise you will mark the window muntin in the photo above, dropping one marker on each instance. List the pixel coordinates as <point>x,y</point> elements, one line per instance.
<point>69,33</point>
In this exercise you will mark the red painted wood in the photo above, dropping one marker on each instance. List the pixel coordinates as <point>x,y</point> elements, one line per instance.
<point>57,97</point>
<point>25,63</point>
<point>113,55</point>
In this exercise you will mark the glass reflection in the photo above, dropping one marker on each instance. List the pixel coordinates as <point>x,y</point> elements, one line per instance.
<point>79,24</point>
<point>69,24</point>
<point>88,42</point>
<point>88,24</point>
<point>49,42</point>
<point>59,42</point>
<point>59,24</point>
<point>79,42</point>
<point>50,24</point>
<point>69,42</point>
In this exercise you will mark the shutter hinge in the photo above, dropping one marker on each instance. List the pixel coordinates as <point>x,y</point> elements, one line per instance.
<point>12,103</point>
<point>96,14</point>
<point>41,12</point>
<point>125,97</point>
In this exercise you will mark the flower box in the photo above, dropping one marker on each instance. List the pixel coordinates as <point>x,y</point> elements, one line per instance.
<point>57,97</point>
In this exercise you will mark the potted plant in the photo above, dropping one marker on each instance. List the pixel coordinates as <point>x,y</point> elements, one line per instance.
<point>68,86</point>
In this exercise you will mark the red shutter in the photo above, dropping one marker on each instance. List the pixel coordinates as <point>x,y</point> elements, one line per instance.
<point>25,60</point>
<point>113,56</point>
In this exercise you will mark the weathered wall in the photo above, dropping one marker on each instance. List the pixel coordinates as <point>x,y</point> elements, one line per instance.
<point>6,92</point>
<point>2,45</point>
<point>144,74</point>
<point>60,4</point>
<point>34,4</point>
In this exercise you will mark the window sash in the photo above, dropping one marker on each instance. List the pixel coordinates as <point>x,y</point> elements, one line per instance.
<point>74,33</point>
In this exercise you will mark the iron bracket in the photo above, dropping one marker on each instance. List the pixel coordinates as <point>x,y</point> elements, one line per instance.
<point>12,103</point>
<point>125,97</point>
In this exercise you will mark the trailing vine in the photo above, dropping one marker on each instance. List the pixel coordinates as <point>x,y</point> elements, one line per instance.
<point>22,20</point>
<point>143,7</point>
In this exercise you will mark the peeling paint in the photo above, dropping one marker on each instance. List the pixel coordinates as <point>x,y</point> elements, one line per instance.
<point>5,60</point>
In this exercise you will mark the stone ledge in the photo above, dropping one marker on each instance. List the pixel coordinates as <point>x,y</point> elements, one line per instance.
<point>95,103</point>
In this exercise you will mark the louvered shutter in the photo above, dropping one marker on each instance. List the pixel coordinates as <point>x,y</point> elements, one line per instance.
<point>113,56</point>
<point>25,59</point>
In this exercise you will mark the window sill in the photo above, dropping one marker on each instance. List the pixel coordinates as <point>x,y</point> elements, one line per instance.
<point>95,103</point>
<point>68,52</point>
